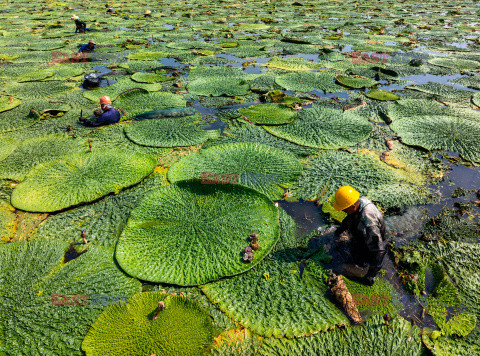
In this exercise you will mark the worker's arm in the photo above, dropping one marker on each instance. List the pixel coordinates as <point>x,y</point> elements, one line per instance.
<point>343,226</point>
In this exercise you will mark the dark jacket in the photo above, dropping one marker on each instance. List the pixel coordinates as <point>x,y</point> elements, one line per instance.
<point>80,25</point>
<point>108,117</point>
<point>85,48</point>
<point>367,233</point>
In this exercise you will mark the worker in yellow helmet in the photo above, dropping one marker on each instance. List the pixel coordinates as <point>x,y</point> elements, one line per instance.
<point>365,228</point>
<point>106,116</point>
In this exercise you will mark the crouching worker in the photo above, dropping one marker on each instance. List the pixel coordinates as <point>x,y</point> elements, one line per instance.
<point>365,229</point>
<point>107,117</point>
<point>80,26</point>
<point>89,47</point>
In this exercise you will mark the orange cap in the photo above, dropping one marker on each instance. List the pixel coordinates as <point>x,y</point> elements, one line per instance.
<point>105,100</point>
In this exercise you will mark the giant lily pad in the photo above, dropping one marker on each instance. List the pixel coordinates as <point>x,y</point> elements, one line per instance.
<point>38,150</point>
<point>191,233</point>
<point>34,76</point>
<point>441,133</point>
<point>78,179</point>
<point>138,101</point>
<point>322,127</point>
<point>181,328</point>
<point>147,56</point>
<point>455,63</point>
<point>150,77</point>
<point>7,146</point>
<point>169,132</point>
<point>356,82</point>
<point>269,114</point>
<point>219,86</point>
<point>293,64</point>
<point>382,95</point>
<point>47,302</point>
<point>373,338</point>
<point>8,103</point>
<point>114,90</point>
<point>261,167</point>
<point>332,169</point>
<point>309,81</point>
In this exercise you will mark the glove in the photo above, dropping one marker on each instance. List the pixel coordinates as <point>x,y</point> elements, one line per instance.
<point>82,119</point>
<point>97,112</point>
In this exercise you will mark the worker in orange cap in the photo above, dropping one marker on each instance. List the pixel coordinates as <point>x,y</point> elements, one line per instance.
<point>365,228</point>
<point>107,117</point>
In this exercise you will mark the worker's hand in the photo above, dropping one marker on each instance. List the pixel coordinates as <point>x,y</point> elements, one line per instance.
<point>97,112</point>
<point>82,119</point>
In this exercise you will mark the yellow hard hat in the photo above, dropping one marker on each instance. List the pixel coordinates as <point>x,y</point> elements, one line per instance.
<point>344,197</point>
<point>147,12</point>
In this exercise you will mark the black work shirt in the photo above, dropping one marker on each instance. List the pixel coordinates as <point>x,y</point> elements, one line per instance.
<point>108,117</point>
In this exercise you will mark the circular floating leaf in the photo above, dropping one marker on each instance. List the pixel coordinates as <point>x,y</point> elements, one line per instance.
<point>356,82</point>
<point>309,81</point>
<point>80,178</point>
<point>441,133</point>
<point>37,90</point>
<point>324,128</point>
<point>190,233</point>
<point>147,56</point>
<point>139,328</point>
<point>218,86</point>
<point>269,114</point>
<point>455,63</point>
<point>38,150</point>
<point>231,44</point>
<point>255,165</point>
<point>34,76</point>
<point>150,77</point>
<point>273,300</point>
<point>120,89</point>
<point>398,338</point>
<point>8,103</point>
<point>169,132</point>
<point>293,64</point>
<point>332,169</point>
<point>44,294</point>
<point>7,146</point>
<point>382,95</point>
<point>136,102</point>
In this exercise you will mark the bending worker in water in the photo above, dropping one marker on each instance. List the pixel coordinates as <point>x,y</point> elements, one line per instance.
<point>366,230</point>
<point>80,26</point>
<point>89,47</point>
<point>109,116</point>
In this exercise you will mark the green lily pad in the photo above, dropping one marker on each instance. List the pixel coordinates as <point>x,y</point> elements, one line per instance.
<point>221,86</point>
<point>7,146</point>
<point>181,328</point>
<point>147,56</point>
<point>332,169</point>
<point>293,64</point>
<point>34,76</point>
<point>325,128</point>
<point>8,103</point>
<point>441,133</point>
<point>78,179</point>
<point>169,132</point>
<point>258,166</point>
<point>44,293</point>
<point>382,95</point>
<point>269,114</point>
<point>356,82</point>
<point>455,63</point>
<point>262,299</point>
<point>309,81</point>
<point>191,233</point>
<point>150,77</point>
